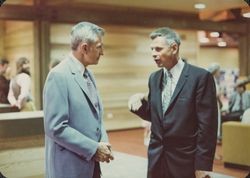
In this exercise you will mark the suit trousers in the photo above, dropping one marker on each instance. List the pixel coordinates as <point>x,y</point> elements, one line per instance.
<point>2,176</point>
<point>97,170</point>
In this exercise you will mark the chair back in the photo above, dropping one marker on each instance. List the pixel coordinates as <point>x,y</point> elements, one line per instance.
<point>246,116</point>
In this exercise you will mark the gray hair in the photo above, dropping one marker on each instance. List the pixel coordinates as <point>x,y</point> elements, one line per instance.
<point>85,32</point>
<point>213,68</point>
<point>170,35</point>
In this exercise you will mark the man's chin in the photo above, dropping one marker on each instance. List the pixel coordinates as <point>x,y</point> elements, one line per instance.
<point>159,65</point>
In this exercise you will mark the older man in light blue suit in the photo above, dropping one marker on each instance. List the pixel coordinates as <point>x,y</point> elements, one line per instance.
<point>75,138</point>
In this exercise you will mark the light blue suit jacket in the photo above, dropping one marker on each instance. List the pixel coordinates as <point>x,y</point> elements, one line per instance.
<point>73,126</point>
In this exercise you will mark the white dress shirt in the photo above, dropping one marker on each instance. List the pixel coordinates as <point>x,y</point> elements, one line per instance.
<point>20,90</point>
<point>171,83</point>
<point>176,73</point>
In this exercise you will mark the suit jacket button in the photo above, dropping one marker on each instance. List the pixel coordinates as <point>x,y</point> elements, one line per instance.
<point>81,157</point>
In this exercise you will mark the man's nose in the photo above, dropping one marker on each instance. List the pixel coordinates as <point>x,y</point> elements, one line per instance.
<point>102,52</point>
<point>153,53</point>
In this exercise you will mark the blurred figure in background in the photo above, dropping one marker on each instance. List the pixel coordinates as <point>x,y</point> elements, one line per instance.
<point>4,85</point>
<point>239,101</point>
<point>4,81</point>
<point>214,69</point>
<point>54,62</point>
<point>20,87</point>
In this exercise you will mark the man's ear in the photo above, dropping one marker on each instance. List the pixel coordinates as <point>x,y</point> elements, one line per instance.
<point>84,48</point>
<point>174,48</point>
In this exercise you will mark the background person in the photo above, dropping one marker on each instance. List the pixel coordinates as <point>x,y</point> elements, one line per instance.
<point>4,81</point>
<point>54,62</point>
<point>239,101</point>
<point>20,87</point>
<point>214,69</point>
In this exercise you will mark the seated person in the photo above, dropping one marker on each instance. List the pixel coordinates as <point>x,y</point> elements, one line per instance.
<point>238,103</point>
<point>4,81</point>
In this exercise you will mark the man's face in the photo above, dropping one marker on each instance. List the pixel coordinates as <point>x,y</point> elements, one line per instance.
<point>240,89</point>
<point>163,53</point>
<point>94,52</point>
<point>3,68</point>
<point>26,67</point>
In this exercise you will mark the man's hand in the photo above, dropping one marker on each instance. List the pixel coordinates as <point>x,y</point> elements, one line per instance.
<point>103,153</point>
<point>202,174</point>
<point>135,101</point>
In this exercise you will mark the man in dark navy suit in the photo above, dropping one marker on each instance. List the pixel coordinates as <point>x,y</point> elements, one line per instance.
<point>182,107</point>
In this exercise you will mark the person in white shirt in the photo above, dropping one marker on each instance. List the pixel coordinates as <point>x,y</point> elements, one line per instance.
<point>20,87</point>
<point>239,101</point>
<point>214,69</point>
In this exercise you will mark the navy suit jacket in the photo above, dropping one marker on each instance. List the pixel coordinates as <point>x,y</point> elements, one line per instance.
<point>183,138</point>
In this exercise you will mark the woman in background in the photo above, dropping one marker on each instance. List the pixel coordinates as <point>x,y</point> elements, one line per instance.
<point>20,87</point>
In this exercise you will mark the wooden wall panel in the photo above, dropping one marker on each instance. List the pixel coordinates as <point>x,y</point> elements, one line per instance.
<point>123,71</point>
<point>21,2</point>
<point>18,41</point>
<point>189,45</point>
<point>228,58</point>
<point>1,39</point>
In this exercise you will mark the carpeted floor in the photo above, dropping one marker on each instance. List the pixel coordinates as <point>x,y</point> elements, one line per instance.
<point>29,163</point>
<point>125,166</point>
<point>130,166</point>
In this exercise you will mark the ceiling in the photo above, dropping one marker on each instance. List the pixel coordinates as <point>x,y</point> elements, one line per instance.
<point>172,5</point>
<point>216,10</point>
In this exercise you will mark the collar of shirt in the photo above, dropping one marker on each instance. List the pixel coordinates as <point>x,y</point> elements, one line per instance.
<point>176,70</point>
<point>78,65</point>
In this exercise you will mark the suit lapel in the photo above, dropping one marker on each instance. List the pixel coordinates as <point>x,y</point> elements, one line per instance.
<point>80,81</point>
<point>180,84</point>
<point>156,93</point>
<point>98,96</point>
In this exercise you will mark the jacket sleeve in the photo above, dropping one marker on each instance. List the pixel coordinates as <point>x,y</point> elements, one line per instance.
<point>207,118</point>
<point>144,111</point>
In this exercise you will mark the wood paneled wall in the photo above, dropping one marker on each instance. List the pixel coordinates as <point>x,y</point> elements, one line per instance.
<point>228,58</point>
<point>1,39</point>
<point>21,2</point>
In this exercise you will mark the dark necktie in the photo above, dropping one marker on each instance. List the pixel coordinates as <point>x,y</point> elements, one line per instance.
<point>91,89</point>
<point>241,103</point>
